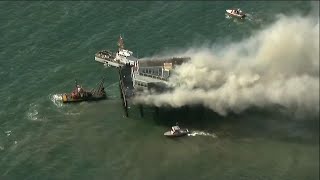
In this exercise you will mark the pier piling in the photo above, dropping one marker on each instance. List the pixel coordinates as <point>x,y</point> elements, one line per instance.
<point>141,110</point>
<point>187,109</point>
<point>157,111</point>
<point>123,95</point>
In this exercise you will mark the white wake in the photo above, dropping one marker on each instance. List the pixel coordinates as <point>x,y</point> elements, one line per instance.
<point>202,133</point>
<point>56,99</point>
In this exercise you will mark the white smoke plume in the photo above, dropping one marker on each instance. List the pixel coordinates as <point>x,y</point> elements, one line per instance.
<point>276,66</point>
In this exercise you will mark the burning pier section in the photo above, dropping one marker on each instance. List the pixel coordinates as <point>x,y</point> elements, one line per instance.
<point>146,74</point>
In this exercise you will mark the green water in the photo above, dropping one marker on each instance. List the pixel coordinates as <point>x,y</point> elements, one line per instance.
<point>44,46</point>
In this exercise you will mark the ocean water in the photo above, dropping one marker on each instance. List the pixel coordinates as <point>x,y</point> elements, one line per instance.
<point>45,46</point>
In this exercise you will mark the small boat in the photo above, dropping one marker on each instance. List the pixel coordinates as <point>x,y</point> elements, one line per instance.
<point>236,13</point>
<point>79,94</point>
<point>176,132</point>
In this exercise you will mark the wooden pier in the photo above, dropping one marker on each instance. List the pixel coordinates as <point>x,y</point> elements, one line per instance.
<point>125,86</point>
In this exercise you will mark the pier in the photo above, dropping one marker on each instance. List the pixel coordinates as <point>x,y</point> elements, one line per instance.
<point>144,76</point>
<point>139,74</point>
<point>125,86</point>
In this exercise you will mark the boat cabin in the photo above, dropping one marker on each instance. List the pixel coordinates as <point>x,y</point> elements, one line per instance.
<point>175,129</point>
<point>78,92</point>
<point>236,11</point>
<point>123,55</point>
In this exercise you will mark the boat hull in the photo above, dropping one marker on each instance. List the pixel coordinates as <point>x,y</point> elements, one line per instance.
<point>66,98</point>
<point>180,134</point>
<point>229,12</point>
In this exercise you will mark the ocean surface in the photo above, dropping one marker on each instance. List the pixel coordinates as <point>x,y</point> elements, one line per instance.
<point>45,46</point>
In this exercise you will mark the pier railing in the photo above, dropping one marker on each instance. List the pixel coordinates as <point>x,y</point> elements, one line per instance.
<point>153,76</point>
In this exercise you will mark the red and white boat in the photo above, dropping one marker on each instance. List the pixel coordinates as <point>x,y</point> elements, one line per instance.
<point>236,13</point>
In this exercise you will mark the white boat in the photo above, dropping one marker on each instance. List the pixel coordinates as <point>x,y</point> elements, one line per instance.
<point>121,58</point>
<point>236,13</point>
<point>176,132</point>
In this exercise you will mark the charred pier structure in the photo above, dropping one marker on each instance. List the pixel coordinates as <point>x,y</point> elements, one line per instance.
<point>146,75</point>
<point>125,86</point>
<point>136,75</point>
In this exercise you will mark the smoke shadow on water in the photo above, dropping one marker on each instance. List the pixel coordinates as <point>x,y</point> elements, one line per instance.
<point>253,124</point>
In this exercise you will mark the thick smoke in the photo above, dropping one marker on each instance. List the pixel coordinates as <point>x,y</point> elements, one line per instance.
<point>276,66</point>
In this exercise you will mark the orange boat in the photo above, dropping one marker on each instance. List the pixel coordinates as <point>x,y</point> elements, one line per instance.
<point>79,94</point>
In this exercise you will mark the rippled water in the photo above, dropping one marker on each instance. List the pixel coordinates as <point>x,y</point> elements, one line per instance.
<point>45,46</point>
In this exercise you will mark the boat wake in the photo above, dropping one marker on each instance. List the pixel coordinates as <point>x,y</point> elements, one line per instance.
<point>8,133</point>
<point>228,16</point>
<point>56,99</point>
<point>253,19</point>
<point>32,114</point>
<point>202,133</point>
<point>72,114</point>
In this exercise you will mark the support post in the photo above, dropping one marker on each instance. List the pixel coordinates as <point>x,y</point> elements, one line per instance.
<point>123,95</point>
<point>187,109</point>
<point>141,110</point>
<point>126,108</point>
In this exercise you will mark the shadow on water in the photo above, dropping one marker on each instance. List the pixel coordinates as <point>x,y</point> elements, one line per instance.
<point>254,123</point>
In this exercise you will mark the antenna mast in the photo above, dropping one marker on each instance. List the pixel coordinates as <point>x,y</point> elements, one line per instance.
<point>120,43</point>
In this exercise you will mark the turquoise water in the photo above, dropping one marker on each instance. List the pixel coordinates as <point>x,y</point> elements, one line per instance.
<point>46,45</point>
